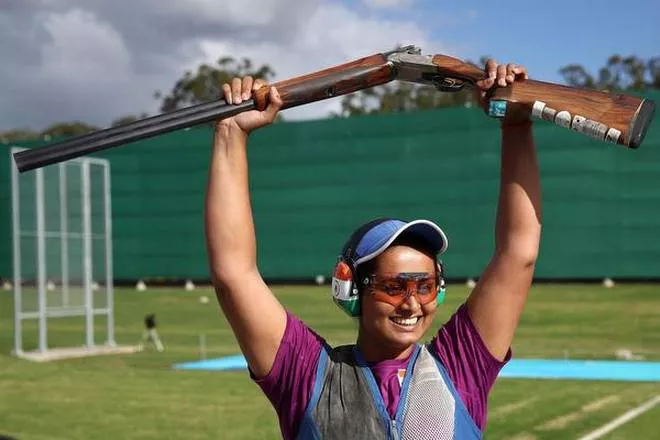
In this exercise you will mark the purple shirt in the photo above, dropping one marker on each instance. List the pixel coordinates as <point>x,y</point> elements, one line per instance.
<point>470,366</point>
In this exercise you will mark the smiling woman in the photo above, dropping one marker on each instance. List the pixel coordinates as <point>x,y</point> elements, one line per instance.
<point>397,284</point>
<point>388,384</point>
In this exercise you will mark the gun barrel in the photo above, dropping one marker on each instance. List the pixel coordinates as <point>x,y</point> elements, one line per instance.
<point>324,84</point>
<point>100,140</point>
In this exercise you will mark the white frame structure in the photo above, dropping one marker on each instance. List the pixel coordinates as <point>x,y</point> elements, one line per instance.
<point>44,310</point>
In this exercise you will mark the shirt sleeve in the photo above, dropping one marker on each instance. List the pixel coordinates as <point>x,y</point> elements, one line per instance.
<point>469,364</point>
<point>290,381</point>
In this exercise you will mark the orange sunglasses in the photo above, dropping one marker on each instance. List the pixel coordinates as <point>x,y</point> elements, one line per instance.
<point>394,289</point>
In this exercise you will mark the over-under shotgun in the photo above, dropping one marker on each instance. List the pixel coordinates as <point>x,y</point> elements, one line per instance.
<point>616,118</point>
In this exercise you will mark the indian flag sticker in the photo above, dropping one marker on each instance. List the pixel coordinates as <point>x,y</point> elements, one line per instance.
<point>401,374</point>
<point>341,282</point>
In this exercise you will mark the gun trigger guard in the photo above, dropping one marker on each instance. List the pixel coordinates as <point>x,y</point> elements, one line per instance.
<point>446,84</point>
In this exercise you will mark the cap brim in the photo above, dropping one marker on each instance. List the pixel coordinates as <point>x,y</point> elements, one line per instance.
<point>426,229</point>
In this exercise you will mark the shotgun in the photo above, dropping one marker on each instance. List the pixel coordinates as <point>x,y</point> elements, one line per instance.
<point>616,118</point>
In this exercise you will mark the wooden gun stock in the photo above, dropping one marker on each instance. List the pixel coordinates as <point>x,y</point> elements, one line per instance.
<point>617,118</point>
<point>340,80</point>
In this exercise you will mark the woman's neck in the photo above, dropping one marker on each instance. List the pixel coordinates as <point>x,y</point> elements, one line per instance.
<point>374,351</point>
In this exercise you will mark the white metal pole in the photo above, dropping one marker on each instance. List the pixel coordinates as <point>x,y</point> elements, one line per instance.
<point>41,258</point>
<point>64,239</point>
<point>87,256</point>
<point>16,236</point>
<point>110,305</point>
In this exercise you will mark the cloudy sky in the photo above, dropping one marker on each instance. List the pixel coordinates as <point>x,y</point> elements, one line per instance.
<point>95,60</point>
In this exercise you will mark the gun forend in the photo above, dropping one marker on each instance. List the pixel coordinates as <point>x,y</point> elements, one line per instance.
<point>335,81</point>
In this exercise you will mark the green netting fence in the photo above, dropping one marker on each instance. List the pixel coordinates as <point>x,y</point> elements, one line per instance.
<point>313,182</point>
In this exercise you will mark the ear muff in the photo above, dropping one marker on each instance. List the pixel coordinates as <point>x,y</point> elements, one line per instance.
<point>440,283</point>
<point>344,290</point>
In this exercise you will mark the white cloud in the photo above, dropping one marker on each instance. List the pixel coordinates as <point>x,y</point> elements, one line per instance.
<point>331,35</point>
<point>85,73</point>
<point>78,38</point>
<point>245,12</point>
<point>388,3</point>
<point>94,60</point>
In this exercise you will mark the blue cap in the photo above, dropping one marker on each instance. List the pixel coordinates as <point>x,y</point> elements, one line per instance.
<point>373,238</point>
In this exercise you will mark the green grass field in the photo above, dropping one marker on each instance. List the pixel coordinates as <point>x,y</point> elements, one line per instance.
<point>138,396</point>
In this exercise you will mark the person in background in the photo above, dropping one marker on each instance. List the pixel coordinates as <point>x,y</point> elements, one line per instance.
<point>150,333</point>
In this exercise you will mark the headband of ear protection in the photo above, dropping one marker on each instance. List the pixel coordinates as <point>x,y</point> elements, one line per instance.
<point>345,286</point>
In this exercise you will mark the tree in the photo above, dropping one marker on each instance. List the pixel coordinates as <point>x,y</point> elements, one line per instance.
<point>653,66</point>
<point>18,134</point>
<point>60,129</point>
<point>66,129</point>
<point>206,83</point>
<point>398,97</point>
<point>123,120</point>
<point>618,73</point>
<point>576,75</point>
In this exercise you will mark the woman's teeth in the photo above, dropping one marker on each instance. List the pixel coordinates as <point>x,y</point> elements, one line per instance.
<point>405,321</point>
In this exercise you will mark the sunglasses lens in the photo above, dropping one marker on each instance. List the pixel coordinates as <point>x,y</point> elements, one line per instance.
<point>394,290</point>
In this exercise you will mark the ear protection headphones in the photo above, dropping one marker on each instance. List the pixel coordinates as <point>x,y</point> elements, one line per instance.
<point>345,285</point>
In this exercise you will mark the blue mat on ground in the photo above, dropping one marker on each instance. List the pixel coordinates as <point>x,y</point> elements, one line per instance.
<point>516,368</point>
<point>223,364</point>
<point>585,370</point>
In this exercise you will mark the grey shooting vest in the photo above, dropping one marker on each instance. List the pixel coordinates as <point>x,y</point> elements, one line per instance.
<point>346,402</point>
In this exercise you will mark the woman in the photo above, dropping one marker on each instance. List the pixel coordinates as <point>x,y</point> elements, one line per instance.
<point>388,384</point>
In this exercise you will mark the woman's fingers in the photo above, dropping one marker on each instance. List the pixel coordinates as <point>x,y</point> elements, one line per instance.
<point>501,75</point>
<point>274,104</point>
<point>226,89</point>
<point>246,87</point>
